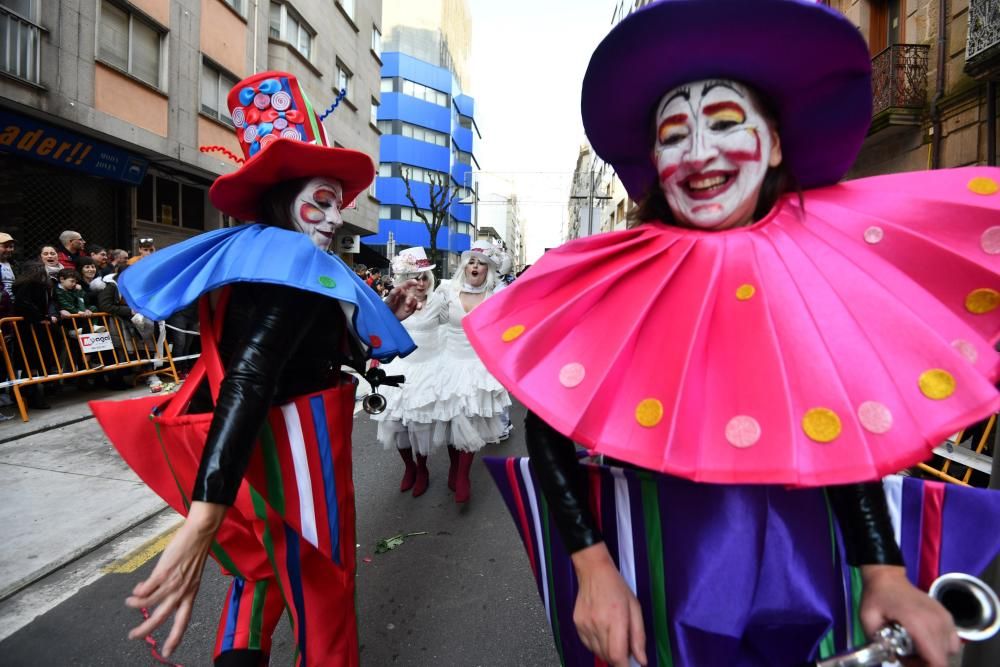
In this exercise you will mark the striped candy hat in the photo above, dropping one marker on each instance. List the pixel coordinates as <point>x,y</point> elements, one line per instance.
<point>282,139</point>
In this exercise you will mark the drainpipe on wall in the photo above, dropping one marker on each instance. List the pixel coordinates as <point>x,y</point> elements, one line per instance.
<point>256,36</point>
<point>935,111</point>
<point>991,126</point>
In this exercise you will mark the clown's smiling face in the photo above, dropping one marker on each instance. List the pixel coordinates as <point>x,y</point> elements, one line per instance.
<point>713,148</point>
<point>316,210</point>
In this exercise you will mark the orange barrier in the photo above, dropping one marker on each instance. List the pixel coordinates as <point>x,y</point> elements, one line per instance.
<point>971,459</point>
<point>58,354</point>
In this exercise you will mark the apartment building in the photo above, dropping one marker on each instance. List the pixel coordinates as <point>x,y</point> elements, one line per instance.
<point>934,67</point>
<point>105,106</point>
<point>428,130</point>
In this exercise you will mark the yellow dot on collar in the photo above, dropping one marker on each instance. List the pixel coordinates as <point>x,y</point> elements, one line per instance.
<point>982,185</point>
<point>512,333</point>
<point>649,412</point>
<point>745,292</point>
<point>937,384</point>
<point>821,424</point>
<point>983,300</point>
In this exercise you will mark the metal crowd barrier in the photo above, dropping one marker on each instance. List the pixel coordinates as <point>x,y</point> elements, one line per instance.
<point>953,451</point>
<point>59,354</point>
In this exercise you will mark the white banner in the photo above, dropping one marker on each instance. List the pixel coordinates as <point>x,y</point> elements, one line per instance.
<point>96,342</point>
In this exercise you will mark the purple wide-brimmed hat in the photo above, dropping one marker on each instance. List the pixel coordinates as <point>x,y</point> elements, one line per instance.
<point>807,59</point>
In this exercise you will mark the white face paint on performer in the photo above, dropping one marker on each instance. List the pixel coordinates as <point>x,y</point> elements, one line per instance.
<point>713,148</point>
<point>476,271</point>
<point>316,210</point>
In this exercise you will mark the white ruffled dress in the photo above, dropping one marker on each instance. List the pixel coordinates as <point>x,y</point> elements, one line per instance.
<point>470,400</point>
<point>410,417</point>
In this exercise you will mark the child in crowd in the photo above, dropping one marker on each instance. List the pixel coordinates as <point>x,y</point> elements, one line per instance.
<point>69,296</point>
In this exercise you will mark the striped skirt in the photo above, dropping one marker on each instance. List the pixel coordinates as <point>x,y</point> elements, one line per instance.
<point>289,538</point>
<point>738,575</point>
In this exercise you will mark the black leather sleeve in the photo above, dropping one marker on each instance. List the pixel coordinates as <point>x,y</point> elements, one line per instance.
<point>281,318</point>
<point>563,481</point>
<point>863,515</point>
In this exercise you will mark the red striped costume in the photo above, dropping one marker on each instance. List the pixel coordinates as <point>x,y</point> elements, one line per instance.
<point>288,540</point>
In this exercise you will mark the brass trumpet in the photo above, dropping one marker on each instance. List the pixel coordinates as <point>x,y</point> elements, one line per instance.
<point>970,601</point>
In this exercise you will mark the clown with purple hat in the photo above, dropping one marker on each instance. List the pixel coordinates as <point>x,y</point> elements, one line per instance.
<point>752,356</point>
<point>255,448</point>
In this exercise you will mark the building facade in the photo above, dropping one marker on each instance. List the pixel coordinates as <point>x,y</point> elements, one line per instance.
<point>104,105</point>
<point>932,65</point>
<point>499,221</point>
<point>428,130</point>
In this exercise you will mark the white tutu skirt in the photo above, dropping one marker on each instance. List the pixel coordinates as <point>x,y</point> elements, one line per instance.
<point>469,412</point>
<point>409,418</point>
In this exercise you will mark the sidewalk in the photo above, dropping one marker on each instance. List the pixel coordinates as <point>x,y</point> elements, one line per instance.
<point>63,489</point>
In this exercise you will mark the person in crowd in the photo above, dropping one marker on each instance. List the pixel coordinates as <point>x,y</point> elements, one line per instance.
<point>49,257</point>
<point>6,274</point>
<point>70,294</point>
<point>408,421</point>
<point>739,334</point>
<point>117,258</point>
<point>146,248</point>
<point>88,270</point>
<point>472,402</point>
<point>100,256</point>
<point>71,247</point>
<point>273,345</point>
<point>33,300</point>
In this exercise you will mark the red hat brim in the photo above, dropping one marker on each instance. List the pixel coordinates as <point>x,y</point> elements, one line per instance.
<point>239,194</point>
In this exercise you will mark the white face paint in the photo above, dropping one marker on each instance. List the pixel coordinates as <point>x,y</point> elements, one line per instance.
<point>315,211</point>
<point>475,272</point>
<point>713,149</point>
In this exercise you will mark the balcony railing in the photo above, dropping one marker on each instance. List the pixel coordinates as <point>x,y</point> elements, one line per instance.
<point>984,27</point>
<point>899,77</point>
<point>20,46</point>
<point>982,48</point>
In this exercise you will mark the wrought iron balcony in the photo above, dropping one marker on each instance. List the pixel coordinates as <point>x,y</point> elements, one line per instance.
<point>20,46</point>
<point>899,77</point>
<point>982,49</point>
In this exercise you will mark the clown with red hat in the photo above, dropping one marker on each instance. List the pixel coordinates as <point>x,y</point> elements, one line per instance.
<point>255,448</point>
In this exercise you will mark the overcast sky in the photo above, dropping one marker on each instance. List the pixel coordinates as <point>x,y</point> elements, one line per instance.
<point>528,61</point>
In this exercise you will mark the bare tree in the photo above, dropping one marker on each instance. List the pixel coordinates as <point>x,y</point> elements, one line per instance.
<point>442,195</point>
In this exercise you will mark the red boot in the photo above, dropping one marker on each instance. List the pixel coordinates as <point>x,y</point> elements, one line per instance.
<point>410,474</point>
<point>423,477</point>
<point>463,487</point>
<point>452,467</point>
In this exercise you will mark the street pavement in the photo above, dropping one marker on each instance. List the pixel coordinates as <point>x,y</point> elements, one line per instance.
<point>460,595</point>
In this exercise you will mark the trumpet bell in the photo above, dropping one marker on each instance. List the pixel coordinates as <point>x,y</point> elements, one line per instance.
<point>374,404</point>
<point>971,602</point>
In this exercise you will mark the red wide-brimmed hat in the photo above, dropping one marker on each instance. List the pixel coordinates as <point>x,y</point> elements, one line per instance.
<point>283,140</point>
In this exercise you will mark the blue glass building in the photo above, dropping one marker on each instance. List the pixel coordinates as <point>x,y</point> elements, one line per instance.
<point>428,131</point>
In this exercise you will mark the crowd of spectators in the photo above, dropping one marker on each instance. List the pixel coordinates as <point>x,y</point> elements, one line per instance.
<point>55,286</point>
<point>373,278</point>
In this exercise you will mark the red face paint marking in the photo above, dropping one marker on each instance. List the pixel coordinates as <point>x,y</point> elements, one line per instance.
<point>668,171</point>
<point>670,122</point>
<point>718,107</point>
<point>746,156</point>
<point>311,214</point>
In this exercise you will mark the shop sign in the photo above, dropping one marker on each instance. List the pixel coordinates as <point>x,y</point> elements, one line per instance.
<point>20,135</point>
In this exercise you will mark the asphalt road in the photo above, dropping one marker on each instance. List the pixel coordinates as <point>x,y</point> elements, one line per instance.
<point>460,595</point>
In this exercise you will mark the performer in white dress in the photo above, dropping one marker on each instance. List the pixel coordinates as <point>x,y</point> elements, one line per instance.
<point>472,401</point>
<point>408,422</point>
